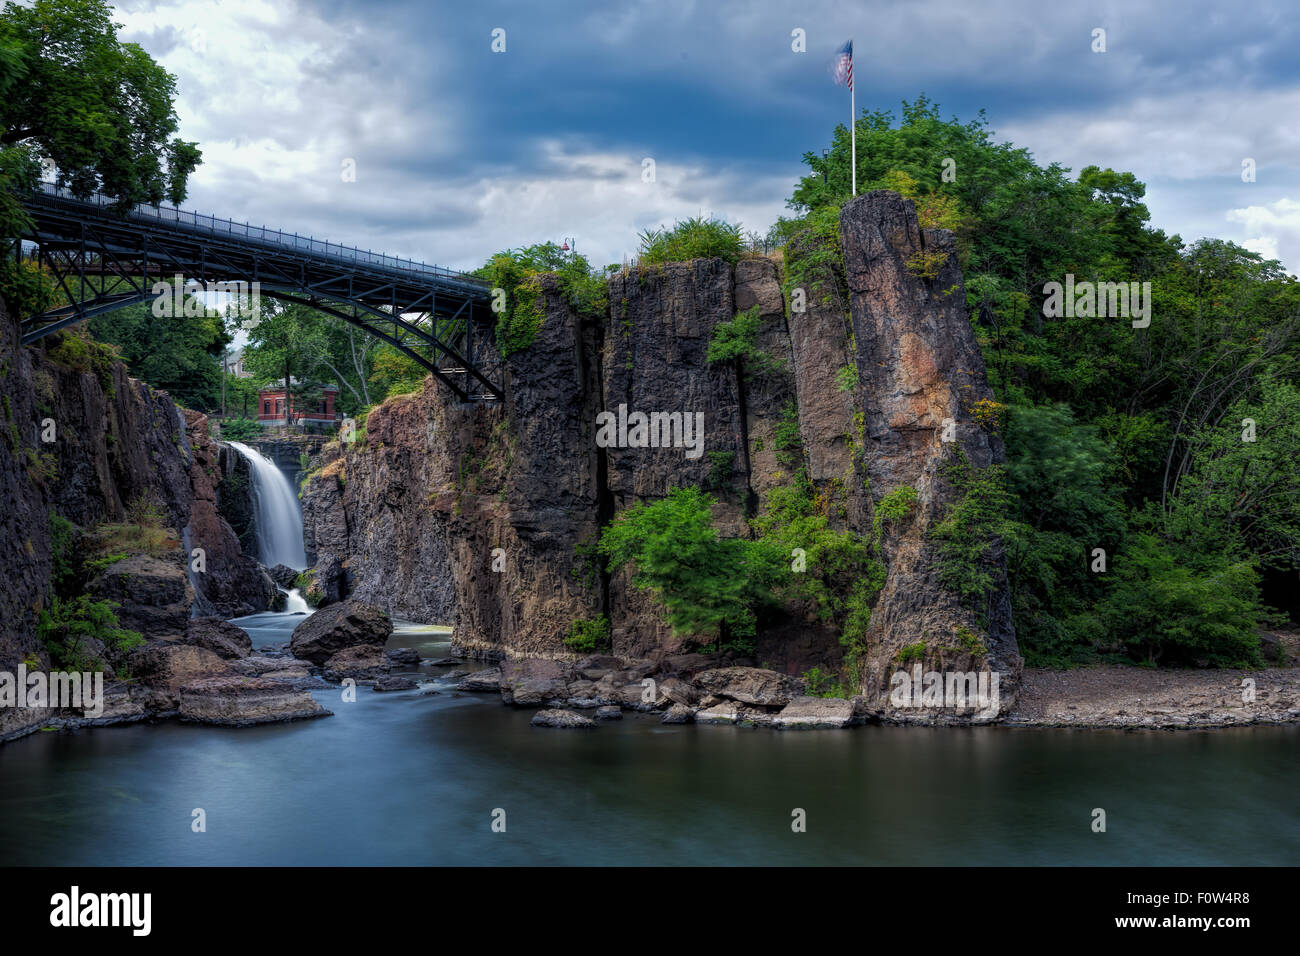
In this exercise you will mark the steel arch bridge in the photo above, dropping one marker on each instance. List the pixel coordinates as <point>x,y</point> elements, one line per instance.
<point>438,317</point>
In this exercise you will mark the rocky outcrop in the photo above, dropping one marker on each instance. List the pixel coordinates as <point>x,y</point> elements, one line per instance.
<point>338,627</point>
<point>220,637</point>
<point>228,578</point>
<point>364,662</point>
<point>83,441</point>
<point>244,701</point>
<point>504,500</point>
<point>923,380</point>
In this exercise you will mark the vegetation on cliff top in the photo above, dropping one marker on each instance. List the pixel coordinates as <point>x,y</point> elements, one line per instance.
<point>1148,444</point>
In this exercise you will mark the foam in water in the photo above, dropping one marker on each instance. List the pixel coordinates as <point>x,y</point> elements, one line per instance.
<point>278,513</point>
<point>295,603</point>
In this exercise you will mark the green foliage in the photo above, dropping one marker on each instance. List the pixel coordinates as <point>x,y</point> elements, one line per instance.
<point>708,585</point>
<point>693,238</point>
<point>912,652</point>
<point>737,341</point>
<point>76,350</point>
<point>894,506</point>
<point>786,438</point>
<point>721,465</point>
<point>822,683</point>
<point>846,379</point>
<point>517,272</point>
<point>64,553</point>
<point>66,626</point>
<point>240,429</point>
<point>970,532</point>
<point>181,354</point>
<point>1202,609</point>
<point>587,637</point>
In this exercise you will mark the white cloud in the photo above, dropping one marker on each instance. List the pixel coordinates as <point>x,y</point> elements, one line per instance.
<point>1274,230</point>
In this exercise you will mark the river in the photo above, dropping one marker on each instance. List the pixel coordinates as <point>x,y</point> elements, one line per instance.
<point>407,778</point>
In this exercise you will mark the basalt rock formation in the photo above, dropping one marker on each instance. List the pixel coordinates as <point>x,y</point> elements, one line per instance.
<point>484,513</point>
<point>83,441</point>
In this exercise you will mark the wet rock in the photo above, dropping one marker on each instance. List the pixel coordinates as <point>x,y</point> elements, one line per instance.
<point>445,661</point>
<point>242,701</point>
<point>221,637</point>
<point>405,656</point>
<point>485,681</point>
<point>284,576</point>
<point>340,626</point>
<point>561,719</point>
<point>679,714</point>
<point>364,662</point>
<point>727,712</point>
<point>609,713</point>
<point>750,685</point>
<point>163,668</point>
<point>533,682</point>
<point>392,683</point>
<point>814,713</point>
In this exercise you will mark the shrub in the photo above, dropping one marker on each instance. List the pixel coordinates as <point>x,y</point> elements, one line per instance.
<point>66,626</point>
<point>239,429</point>
<point>707,584</point>
<point>737,341</point>
<point>586,637</point>
<point>694,238</point>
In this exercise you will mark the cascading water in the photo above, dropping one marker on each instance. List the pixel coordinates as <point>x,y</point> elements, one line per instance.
<point>276,510</point>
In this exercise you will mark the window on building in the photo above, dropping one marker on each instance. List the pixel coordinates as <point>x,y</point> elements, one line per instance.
<point>266,408</point>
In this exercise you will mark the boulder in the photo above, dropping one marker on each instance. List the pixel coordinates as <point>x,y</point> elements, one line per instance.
<point>241,701</point>
<point>284,576</point>
<point>679,692</point>
<point>395,683</point>
<point>485,681</point>
<point>363,662</point>
<point>679,714</point>
<point>221,637</point>
<point>561,719</point>
<point>153,594</point>
<point>727,712</point>
<point>815,713</point>
<point>404,656</point>
<point>533,682</point>
<point>750,685</point>
<point>609,713</point>
<point>329,580</point>
<point>165,667</point>
<point>339,626</point>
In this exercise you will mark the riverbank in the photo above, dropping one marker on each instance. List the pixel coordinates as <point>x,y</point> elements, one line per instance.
<point>1137,697</point>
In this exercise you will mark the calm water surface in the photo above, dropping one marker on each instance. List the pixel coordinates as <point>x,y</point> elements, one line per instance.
<point>406,778</point>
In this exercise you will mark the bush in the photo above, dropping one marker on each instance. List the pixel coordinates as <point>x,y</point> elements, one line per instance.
<point>240,429</point>
<point>66,626</point>
<point>737,341</point>
<point>694,238</point>
<point>587,637</point>
<point>709,585</point>
<point>516,272</point>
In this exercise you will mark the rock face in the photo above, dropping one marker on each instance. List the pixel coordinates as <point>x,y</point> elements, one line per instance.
<point>918,362</point>
<point>485,510</point>
<point>154,594</point>
<point>114,444</point>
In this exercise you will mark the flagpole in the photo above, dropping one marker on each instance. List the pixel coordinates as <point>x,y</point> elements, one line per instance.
<point>853,135</point>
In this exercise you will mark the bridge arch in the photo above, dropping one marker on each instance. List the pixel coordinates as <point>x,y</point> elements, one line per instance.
<point>377,293</point>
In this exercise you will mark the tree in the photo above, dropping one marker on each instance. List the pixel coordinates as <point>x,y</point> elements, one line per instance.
<point>99,109</point>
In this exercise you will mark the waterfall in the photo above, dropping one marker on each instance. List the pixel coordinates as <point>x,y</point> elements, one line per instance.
<point>276,510</point>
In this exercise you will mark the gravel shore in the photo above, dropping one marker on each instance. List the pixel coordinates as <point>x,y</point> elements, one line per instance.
<point>1137,697</point>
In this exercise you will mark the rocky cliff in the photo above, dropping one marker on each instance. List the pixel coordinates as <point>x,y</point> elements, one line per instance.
<point>487,511</point>
<point>84,442</point>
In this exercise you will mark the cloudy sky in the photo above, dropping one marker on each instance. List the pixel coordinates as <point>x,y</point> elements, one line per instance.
<point>460,151</point>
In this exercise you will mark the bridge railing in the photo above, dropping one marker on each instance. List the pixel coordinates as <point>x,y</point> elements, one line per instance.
<point>276,237</point>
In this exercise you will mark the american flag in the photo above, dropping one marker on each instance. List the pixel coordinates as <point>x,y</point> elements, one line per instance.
<point>844,65</point>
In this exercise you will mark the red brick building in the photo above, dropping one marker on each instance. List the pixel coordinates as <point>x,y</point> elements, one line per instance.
<point>319,415</point>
